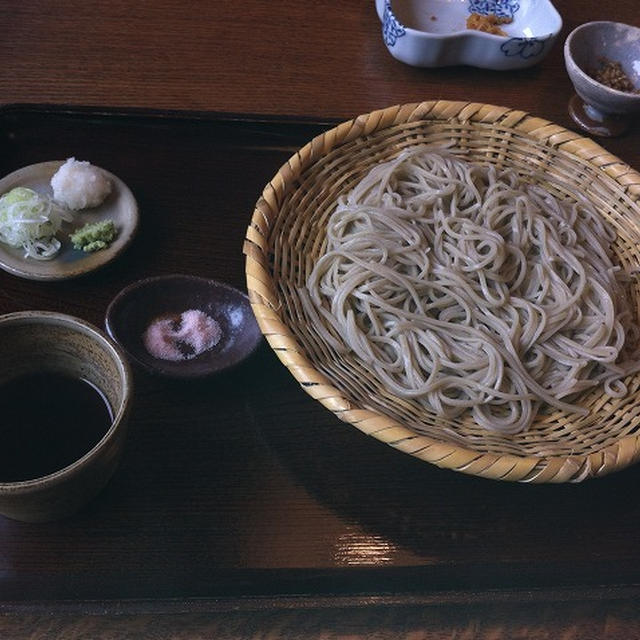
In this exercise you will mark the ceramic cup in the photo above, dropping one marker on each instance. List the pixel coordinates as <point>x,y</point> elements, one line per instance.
<point>597,108</point>
<point>33,342</point>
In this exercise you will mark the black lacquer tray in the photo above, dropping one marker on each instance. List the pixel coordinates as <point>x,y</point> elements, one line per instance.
<point>241,487</point>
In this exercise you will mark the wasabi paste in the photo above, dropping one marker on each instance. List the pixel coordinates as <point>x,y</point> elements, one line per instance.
<point>94,236</point>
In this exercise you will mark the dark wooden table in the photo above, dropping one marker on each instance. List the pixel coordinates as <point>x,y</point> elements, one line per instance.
<point>242,508</point>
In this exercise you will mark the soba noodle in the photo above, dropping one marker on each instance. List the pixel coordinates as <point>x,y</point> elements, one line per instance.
<point>466,289</point>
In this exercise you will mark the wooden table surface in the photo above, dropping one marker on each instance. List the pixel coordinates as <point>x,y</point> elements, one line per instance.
<point>315,61</point>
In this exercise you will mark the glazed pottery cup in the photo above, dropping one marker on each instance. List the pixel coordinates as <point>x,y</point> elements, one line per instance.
<point>35,342</point>
<point>597,108</point>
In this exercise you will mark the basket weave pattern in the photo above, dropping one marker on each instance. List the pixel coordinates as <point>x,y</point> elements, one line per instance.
<point>287,234</point>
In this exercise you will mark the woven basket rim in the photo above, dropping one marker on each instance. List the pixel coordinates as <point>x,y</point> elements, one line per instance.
<point>265,303</point>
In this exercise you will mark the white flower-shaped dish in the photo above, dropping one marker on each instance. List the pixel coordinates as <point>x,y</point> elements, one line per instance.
<point>433,33</point>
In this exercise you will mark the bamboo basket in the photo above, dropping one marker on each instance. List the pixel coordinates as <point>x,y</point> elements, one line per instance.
<point>286,235</point>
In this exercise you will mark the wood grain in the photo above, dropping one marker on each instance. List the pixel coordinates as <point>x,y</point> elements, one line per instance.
<point>489,620</point>
<point>322,59</point>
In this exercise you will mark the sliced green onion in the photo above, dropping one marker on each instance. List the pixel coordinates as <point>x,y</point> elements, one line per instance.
<point>30,220</point>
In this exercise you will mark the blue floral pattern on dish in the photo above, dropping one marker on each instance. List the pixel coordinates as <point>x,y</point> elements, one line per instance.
<point>500,8</point>
<point>391,28</point>
<point>523,47</point>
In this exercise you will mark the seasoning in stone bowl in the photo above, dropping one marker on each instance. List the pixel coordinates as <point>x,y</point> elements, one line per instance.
<point>611,74</point>
<point>182,337</point>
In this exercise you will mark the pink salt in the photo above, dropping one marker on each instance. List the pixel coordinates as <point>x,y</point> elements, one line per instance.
<point>182,338</point>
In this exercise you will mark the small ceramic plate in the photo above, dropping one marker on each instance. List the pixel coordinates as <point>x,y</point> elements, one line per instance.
<point>120,206</point>
<point>434,33</point>
<point>143,302</point>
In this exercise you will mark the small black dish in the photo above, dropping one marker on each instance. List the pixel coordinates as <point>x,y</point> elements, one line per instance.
<point>141,303</point>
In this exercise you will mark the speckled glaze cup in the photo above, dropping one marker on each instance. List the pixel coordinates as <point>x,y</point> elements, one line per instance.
<point>597,108</point>
<point>42,341</point>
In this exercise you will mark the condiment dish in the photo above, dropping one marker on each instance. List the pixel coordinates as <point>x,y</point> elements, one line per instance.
<point>157,299</point>
<point>597,108</point>
<point>57,346</point>
<point>120,207</point>
<point>434,33</point>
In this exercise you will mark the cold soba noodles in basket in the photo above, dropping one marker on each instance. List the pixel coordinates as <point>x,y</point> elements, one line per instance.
<point>467,289</point>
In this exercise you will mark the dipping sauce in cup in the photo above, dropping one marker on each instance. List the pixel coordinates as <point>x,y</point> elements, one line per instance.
<point>65,396</point>
<point>50,420</point>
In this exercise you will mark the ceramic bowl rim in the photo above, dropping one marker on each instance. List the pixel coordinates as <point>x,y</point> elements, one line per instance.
<point>120,415</point>
<point>583,75</point>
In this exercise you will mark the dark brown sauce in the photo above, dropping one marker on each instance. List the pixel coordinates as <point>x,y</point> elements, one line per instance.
<point>47,421</point>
